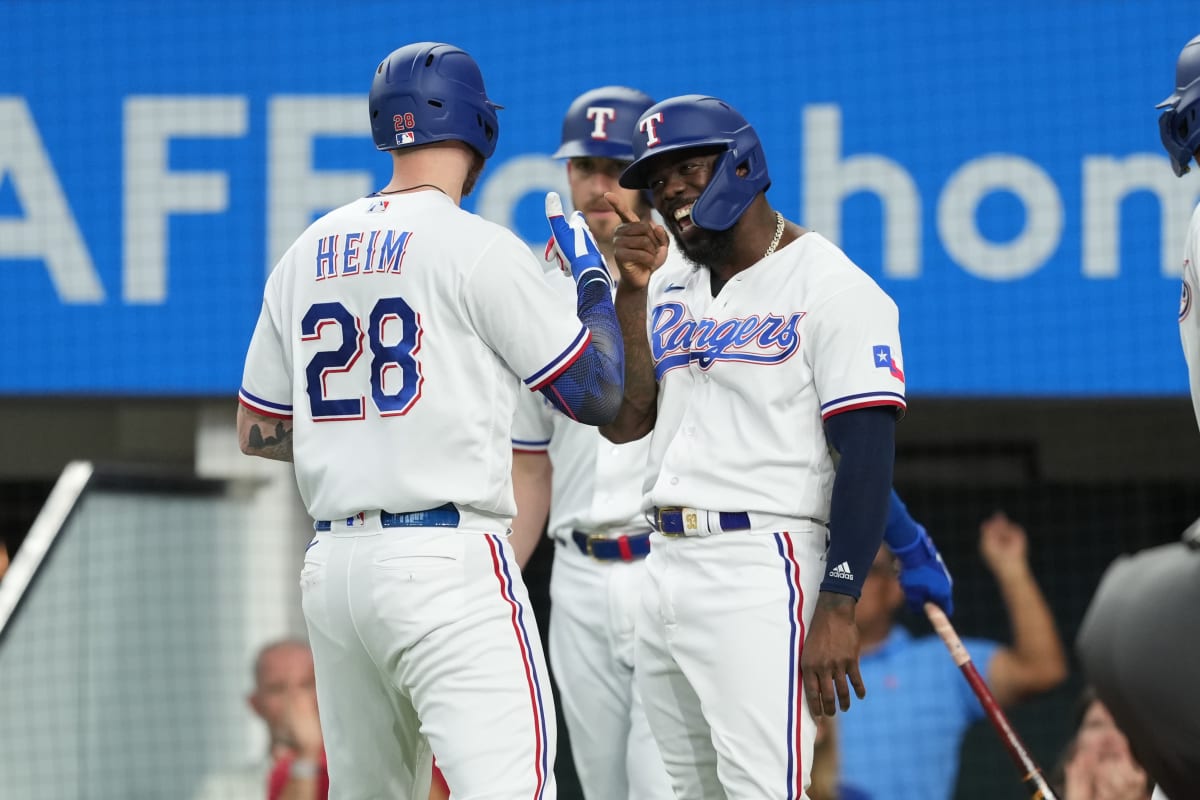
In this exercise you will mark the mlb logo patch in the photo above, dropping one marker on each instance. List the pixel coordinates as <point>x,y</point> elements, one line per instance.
<point>882,355</point>
<point>405,138</point>
<point>378,207</point>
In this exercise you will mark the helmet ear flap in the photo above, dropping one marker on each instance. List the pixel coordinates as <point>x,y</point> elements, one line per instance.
<point>728,193</point>
<point>1173,130</point>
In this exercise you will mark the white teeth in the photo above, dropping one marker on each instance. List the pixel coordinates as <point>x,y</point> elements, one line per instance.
<point>680,213</point>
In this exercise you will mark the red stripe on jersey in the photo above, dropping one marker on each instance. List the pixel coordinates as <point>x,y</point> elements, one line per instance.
<point>864,404</point>
<point>262,412</point>
<point>563,367</point>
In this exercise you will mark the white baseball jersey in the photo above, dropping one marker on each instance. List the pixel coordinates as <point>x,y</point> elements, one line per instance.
<point>1189,321</point>
<point>596,485</point>
<point>747,378</point>
<point>745,382</point>
<point>395,333</point>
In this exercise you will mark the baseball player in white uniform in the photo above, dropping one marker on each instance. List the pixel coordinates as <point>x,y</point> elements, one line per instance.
<point>1180,131</point>
<point>771,374</point>
<point>394,338</point>
<point>592,489</point>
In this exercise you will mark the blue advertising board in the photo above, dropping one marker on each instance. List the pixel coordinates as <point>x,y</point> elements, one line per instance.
<point>995,166</point>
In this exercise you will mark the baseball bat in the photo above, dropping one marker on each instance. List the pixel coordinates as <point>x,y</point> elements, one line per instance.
<point>1031,773</point>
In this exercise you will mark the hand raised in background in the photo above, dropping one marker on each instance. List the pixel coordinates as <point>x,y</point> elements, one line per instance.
<point>1003,544</point>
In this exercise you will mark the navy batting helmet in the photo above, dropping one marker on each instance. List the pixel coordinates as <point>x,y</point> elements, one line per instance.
<point>1178,126</point>
<point>431,92</point>
<point>692,121</point>
<point>600,123</point>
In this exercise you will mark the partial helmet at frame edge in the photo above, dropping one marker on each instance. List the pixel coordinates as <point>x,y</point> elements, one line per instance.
<point>1179,124</point>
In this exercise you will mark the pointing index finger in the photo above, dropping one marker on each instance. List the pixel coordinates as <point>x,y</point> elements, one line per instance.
<point>619,205</point>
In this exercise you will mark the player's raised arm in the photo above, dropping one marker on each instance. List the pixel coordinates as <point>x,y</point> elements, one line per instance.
<point>640,247</point>
<point>589,389</point>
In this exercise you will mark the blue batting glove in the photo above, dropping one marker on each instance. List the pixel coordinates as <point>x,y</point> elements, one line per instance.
<point>573,243</point>
<point>925,577</point>
<point>923,574</point>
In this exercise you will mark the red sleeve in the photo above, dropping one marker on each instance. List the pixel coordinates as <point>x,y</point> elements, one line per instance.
<point>439,782</point>
<point>279,779</point>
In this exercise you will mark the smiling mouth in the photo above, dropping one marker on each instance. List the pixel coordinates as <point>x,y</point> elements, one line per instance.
<point>683,218</point>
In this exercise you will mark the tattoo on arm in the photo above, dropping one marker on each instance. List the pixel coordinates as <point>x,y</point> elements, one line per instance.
<point>278,446</point>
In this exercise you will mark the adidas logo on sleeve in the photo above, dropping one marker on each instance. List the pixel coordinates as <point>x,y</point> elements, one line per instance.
<point>842,571</point>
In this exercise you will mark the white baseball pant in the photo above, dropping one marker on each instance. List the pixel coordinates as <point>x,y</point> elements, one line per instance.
<point>719,637</point>
<point>593,608</point>
<point>424,638</point>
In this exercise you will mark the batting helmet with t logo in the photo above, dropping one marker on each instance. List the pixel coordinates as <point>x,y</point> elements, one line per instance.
<point>600,123</point>
<point>694,121</point>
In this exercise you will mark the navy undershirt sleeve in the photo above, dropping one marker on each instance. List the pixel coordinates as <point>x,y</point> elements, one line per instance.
<point>865,440</point>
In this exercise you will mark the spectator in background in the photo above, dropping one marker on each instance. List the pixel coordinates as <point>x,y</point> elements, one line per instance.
<point>904,740</point>
<point>1097,763</point>
<point>283,671</point>
<point>300,772</point>
<point>825,785</point>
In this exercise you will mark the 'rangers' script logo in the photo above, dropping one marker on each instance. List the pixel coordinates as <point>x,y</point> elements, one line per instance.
<point>676,339</point>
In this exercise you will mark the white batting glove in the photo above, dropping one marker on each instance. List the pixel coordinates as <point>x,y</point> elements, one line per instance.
<point>574,244</point>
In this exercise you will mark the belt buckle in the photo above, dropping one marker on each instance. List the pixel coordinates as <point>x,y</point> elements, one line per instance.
<point>658,518</point>
<point>592,538</point>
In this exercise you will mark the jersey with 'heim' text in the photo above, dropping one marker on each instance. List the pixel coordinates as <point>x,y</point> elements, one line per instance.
<point>747,379</point>
<point>396,333</point>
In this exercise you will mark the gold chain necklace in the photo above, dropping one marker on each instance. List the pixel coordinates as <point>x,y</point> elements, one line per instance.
<point>778,235</point>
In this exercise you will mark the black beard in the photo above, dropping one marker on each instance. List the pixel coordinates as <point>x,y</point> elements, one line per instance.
<point>711,249</point>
